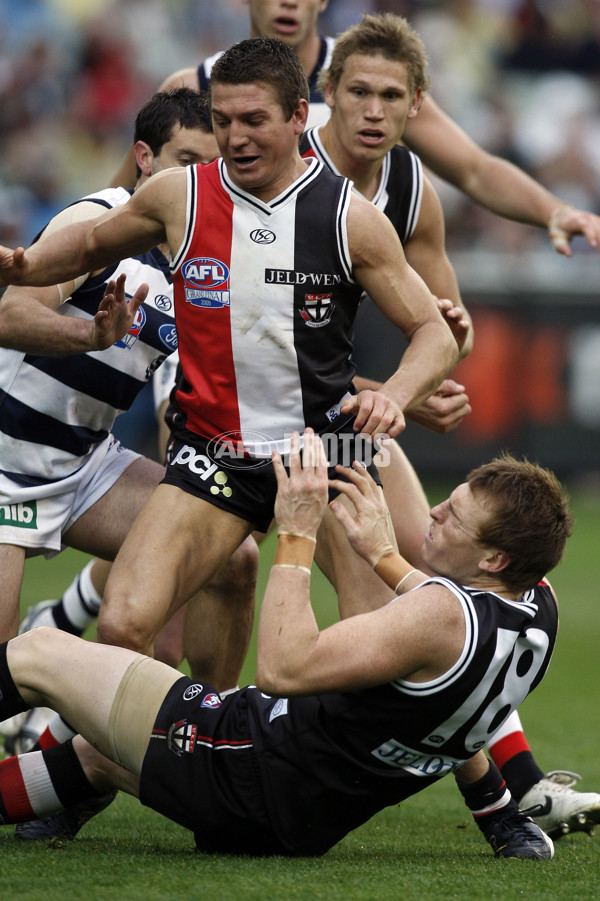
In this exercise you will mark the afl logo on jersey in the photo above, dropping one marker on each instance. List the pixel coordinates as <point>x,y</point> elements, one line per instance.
<point>211,700</point>
<point>168,335</point>
<point>204,272</point>
<point>134,332</point>
<point>206,282</point>
<point>262,236</point>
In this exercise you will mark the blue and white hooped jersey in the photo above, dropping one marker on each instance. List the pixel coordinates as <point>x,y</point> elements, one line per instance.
<point>55,410</point>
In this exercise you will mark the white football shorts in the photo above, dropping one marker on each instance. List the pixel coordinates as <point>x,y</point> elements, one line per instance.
<point>36,516</point>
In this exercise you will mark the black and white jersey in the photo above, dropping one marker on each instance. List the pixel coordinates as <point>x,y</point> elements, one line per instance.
<point>318,112</point>
<point>400,190</point>
<point>329,762</point>
<point>55,410</point>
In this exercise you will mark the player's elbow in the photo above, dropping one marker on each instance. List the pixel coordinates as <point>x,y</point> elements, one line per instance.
<point>274,679</point>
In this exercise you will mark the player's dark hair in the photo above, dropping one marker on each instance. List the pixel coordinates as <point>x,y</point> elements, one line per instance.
<point>264,60</point>
<point>384,35</point>
<point>166,110</point>
<point>530,518</point>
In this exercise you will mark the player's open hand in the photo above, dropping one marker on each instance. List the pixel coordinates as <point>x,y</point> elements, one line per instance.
<point>302,496</point>
<point>375,413</point>
<point>567,221</point>
<point>116,314</point>
<point>369,530</point>
<point>444,410</point>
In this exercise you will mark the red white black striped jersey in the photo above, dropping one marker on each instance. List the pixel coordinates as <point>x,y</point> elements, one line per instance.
<point>400,188</point>
<point>265,301</point>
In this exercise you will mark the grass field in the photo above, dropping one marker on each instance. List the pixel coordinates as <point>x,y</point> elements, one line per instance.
<point>427,848</point>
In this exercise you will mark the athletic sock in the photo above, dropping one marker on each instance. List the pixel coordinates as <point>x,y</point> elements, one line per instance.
<point>56,732</point>
<point>78,606</point>
<point>512,755</point>
<point>487,796</point>
<point>11,701</point>
<point>40,783</point>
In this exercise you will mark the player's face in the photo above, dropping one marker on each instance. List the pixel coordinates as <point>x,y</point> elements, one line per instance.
<point>451,545</point>
<point>292,21</point>
<point>185,147</point>
<point>371,105</point>
<point>258,146</point>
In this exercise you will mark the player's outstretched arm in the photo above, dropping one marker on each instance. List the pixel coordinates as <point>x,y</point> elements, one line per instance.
<point>493,182</point>
<point>87,246</point>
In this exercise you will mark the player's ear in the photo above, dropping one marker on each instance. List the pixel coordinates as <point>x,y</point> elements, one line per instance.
<point>329,95</point>
<point>415,105</point>
<point>300,115</point>
<point>143,157</point>
<point>494,561</point>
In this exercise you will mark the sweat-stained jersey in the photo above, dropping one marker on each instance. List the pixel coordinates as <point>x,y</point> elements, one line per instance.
<point>265,302</point>
<point>318,111</point>
<point>55,410</point>
<point>400,190</point>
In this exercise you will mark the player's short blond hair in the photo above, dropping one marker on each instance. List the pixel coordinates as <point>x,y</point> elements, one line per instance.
<point>384,35</point>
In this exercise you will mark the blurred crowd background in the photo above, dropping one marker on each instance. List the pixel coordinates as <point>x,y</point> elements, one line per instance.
<point>521,76</point>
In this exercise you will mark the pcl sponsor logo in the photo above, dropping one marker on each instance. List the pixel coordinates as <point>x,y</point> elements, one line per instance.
<point>133,334</point>
<point>206,283</point>
<point>317,310</point>
<point>22,516</point>
<point>168,335</point>
<point>262,236</point>
<point>197,463</point>
<point>181,737</point>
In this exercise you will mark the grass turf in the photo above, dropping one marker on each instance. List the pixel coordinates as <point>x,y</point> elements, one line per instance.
<point>428,847</point>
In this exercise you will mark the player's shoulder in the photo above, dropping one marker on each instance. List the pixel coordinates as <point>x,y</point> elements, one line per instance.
<point>108,197</point>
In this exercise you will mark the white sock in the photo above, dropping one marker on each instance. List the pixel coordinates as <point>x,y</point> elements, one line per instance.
<point>81,602</point>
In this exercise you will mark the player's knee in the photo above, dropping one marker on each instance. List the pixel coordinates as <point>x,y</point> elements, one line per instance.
<point>117,627</point>
<point>38,642</point>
